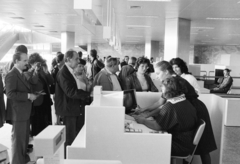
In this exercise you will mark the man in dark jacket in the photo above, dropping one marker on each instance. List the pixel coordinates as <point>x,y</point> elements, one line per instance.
<point>69,100</point>
<point>96,64</point>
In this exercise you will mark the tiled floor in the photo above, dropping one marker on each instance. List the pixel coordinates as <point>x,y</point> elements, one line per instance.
<point>5,139</point>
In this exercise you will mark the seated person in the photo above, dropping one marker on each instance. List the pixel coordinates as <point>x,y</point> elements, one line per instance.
<point>107,77</point>
<point>139,80</point>
<point>226,83</point>
<point>177,116</point>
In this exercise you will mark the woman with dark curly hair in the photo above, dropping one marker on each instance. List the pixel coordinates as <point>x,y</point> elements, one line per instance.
<point>139,80</point>
<point>42,105</point>
<point>180,68</point>
<point>177,116</point>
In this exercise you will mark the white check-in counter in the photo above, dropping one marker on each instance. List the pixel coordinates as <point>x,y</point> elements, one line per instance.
<point>224,112</point>
<point>103,136</point>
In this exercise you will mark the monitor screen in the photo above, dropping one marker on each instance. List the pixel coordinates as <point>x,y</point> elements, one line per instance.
<point>129,100</point>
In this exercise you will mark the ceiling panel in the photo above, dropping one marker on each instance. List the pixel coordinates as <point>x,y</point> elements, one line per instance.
<point>59,16</point>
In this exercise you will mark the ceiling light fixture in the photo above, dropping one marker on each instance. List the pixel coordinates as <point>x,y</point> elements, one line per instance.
<point>151,0</point>
<point>138,26</point>
<point>208,41</point>
<point>135,7</point>
<point>38,26</point>
<point>194,33</point>
<point>131,41</point>
<point>17,18</point>
<point>132,36</point>
<point>230,19</point>
<point>205,28</point>
<point>60,14</point>
<point>137,16</point>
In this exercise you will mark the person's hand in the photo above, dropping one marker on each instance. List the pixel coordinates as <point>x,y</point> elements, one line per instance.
<point>139,110</point>
<point>89,87</point>
<point>58,121</point>
<point>33,97</point>
<point>215,89</point>
<point>139,120</point>
<point>45,69</point>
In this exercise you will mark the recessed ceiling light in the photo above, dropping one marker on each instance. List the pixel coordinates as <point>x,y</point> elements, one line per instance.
<point>38,26</point>
<point>137,16</point>
<point>207,41</point>
<point>132,41</point>
<point>205,28</point>
<point>60,14</point>
<point>151,0</point>
<point>194,33</point>
<point>135,7</point>
<point>17,17</point>
<point>132,36</point>
<point>138,26</point>
<point>230,19</point>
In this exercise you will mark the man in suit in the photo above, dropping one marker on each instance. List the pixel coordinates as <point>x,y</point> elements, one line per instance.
<point>18,91</point>
<point>107,77</point>
<point>69,100</point>
<point>97,65</point>
<point>125,61</point>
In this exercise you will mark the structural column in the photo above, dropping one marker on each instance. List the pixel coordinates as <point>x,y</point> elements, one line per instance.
<point>177,39</point>
<point>67,41</point>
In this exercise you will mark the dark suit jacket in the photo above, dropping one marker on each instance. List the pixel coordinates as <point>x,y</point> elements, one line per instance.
<point>17,90</point>
<point>69,100</point>
<point>96,67</point>
<point>2,104</point>
<point>125,72</point>
<point>123,64</point>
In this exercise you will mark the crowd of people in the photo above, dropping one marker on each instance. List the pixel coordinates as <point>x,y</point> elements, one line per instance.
<point>29,85</point>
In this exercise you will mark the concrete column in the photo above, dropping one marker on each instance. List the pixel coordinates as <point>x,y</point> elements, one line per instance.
<point>148,49</point>
<point>177,39</point>
<point>89,47</point>
<point>155,50</point>
<point>67,41</point>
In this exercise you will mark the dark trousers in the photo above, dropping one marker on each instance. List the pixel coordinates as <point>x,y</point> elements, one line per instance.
<point>73,125</point>
<point>40,119</point>
<point>20,139</point>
